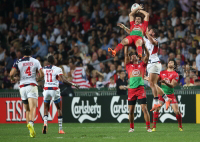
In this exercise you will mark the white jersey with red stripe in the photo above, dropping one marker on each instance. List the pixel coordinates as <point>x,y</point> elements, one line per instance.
<point>28,68</point>
<point>153,50</point>
<point>51,74</point>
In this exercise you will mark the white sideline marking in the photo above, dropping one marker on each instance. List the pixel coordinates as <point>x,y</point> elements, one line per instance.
<point>59,137</point>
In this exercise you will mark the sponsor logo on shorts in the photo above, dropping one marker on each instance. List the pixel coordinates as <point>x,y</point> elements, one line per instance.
<point>119,109</point>
<point>84,111</point>
<point>169,114</point>
<point>136,72</point>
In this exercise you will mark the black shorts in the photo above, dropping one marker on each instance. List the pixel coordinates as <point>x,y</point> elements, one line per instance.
<point>140,101</point>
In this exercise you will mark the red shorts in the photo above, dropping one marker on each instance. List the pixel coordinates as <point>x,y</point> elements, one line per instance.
<point>171,96</point>
<point>133,38</point>
<point>136,93</point>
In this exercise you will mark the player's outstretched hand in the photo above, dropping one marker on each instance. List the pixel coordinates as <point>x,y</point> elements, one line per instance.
<point>163,81</point>
<point>77,86</point>
<point>141,7</point>
<point>146,78</point>
<point>120,25</point>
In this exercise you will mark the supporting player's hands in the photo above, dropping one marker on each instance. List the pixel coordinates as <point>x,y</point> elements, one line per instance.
<point>163,81</point>
<point>146,78</point>
<point>76,85</point>
<point>140,7</point>
<point>121,25</point>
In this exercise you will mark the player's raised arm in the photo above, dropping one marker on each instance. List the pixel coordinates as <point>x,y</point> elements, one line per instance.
<point>126,59</point>
<point>147,54</point>
<point>64,80</point>
<point>151,39</point>
<point>124,27</point>
<point>131,15</point>
<point>146,14</point>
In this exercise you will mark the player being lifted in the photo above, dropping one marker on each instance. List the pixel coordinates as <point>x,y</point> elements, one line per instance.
<point>169,79</point>
<point>51,90</point>
<point>136,90</point>
<point>154,66</point>
<point>138,28</point>
<point>28,67</point>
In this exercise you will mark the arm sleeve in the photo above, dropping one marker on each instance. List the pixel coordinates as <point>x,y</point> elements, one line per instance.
<point>145,24</point>
<point>132,23</point>
<point>15,65</point>
<point>60,72</point>
<point>143,64</point>
<point>39,65</point>
<point>176,77</point>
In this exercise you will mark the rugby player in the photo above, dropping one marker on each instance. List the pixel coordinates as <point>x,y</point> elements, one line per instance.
<point>136,90</point>
<point>154,66</point>
<point>138,29</point>
<point>169,79</point>
<point>28,67</point>
<point>51,90</point>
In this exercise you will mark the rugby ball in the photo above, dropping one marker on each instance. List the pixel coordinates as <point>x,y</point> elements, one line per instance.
<point>134,6</point>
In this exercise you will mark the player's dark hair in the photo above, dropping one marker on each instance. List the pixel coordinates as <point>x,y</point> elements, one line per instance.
<point>50,59</point>
<point>27,51</point>
<point>156,32</point>
<point>175,64</point>
<point>139,15</point>
<point>133,53</point>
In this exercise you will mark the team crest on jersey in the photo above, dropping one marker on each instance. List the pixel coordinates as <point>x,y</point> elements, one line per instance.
<point>136,72</point>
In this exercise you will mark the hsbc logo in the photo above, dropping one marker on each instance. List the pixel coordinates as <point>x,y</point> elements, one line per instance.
<point>16,111</point>
<point>136,72</point>
<point>51,113</point>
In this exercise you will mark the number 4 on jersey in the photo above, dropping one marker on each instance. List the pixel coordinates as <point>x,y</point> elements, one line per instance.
<point>28,71</point>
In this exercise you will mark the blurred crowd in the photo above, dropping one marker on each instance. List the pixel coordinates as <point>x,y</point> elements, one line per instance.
<point>79,32</point>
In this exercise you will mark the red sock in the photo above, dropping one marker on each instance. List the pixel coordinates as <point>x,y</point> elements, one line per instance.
<point>119,47</point>
<point>179,119</point>
<point>132,125</point>
<point>155,118</point>
<point>148,124</point>
<point>139,50</point>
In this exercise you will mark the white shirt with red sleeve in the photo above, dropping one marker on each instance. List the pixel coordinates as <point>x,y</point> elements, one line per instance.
<point>28,67</point>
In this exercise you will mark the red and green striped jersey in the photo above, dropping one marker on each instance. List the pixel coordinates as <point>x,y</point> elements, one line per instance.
<point>169,76</point>
<point>136,74</point>
<point>138,30</point>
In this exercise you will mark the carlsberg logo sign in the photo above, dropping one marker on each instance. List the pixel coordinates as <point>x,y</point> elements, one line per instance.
<point>82,110</point>
<point>169,114</point>
<point>119,109</point>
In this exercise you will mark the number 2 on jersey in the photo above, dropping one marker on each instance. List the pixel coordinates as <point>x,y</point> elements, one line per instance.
<point>49,77</point>
<point>28,71</point>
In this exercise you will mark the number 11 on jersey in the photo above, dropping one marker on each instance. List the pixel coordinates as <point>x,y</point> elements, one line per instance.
<point>49,77</point>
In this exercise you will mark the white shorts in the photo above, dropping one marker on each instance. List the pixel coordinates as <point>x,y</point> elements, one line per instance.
<point>29,92</point>
<point>51,94</point>
<point>154,68</point>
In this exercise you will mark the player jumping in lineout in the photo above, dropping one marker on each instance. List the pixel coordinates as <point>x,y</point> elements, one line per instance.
<point>138,29</point>
<point>169,79</point>
<point>28,68</point>
<point>154,66</point>
<point>136,90</point>
<point>52,90</point>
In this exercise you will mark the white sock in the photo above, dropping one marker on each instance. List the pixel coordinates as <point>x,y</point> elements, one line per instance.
<point>60,122</point>
<point>45,119</point>
<point>155,100</point>
<point>165,97</point>
<point>31,122</point>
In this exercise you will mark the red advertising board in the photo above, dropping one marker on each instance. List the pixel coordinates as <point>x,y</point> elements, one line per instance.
<point>12,111</point>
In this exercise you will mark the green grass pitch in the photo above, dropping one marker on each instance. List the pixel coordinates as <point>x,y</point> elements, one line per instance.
<point>101,132</point>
